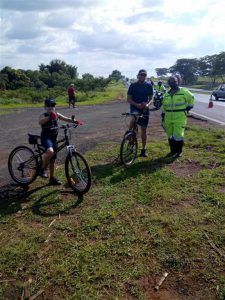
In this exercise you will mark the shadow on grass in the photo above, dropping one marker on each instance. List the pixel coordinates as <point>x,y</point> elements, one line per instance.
<point>45,208</point>
<point>138,168</point>
<point>12,196</point>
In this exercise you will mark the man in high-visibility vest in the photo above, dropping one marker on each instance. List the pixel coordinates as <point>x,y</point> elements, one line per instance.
<point>176,104</point>
<point>160,87</point>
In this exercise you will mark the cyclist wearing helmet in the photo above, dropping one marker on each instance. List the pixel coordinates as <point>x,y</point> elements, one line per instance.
<point>139,96</point>
<point>160,87</point>
<point>49,125</point>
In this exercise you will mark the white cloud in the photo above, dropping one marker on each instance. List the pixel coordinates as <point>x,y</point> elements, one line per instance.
<point>99,36</point>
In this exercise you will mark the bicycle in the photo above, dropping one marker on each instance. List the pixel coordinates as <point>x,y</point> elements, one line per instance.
<point>129,144</point>
<point>24,164</point>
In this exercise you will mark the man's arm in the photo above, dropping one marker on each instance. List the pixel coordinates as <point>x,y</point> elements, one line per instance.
<point>131,101</point>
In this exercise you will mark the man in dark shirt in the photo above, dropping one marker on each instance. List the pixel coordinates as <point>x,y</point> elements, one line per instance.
<point>139,96</point>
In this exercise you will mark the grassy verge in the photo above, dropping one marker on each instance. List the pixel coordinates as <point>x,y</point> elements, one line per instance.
<point>136,223</point>
<point>112,92</point>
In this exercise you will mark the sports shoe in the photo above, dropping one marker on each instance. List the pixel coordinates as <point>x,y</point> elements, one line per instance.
<point>43,173</point>
<point>54,181</point>
<point>144,153</point>
<point>178,154</point>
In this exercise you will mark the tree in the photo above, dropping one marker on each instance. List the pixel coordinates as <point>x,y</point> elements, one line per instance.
<point>4,79</point>
<point>59,66</point>
<point>219,65</point>
<point>16,78</point>
<point>161,71</point>
<point>187,68</point>
<point>116,75</point>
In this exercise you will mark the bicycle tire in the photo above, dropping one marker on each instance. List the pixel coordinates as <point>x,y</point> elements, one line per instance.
<point>128,149</point>
<point>78,173</point>
<point>23,165</point>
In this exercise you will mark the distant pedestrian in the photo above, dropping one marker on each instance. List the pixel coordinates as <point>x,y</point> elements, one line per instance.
<point>72,95</point>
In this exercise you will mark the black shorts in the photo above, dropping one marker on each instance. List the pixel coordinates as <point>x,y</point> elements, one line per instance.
<point>72,99</point>
<point>143,121</point>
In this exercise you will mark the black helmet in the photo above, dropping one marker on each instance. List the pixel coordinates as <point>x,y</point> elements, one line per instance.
<point>50,102</point>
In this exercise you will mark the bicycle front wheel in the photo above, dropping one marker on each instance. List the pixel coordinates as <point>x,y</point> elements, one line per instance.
<point>128,149</point>
<point>22,165</point>
<point>78,173</point>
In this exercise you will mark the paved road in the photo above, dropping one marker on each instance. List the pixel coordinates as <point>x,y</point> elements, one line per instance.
<point>102,123</point>
<point>217,113</point>
<point>14,128</point>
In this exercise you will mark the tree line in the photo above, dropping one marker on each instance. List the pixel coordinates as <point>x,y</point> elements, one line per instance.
<point>56,74</point>
<point>210,66</point>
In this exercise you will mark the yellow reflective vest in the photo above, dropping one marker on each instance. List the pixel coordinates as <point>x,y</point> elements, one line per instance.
<point>182,100</point>
<point>160,88</point>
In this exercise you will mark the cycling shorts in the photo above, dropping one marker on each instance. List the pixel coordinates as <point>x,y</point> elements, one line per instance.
<point>49,142</point>
<point>72,99</point>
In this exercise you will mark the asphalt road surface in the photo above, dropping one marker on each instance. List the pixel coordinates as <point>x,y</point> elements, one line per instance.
<point>101,123</point>
<point>216,113</point>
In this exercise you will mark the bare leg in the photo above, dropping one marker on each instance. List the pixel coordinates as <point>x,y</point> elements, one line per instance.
<point>143,137</point>
<point>131,123</point>
<point>52,167</point>
<point>47,157</point>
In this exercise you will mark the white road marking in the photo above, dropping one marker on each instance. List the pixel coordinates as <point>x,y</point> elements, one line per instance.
<point>211,119</point>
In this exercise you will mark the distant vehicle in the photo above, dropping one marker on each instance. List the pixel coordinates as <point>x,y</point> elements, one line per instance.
<point>219,92</point>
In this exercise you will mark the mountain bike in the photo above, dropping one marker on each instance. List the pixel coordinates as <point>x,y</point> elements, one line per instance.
<point>129,144</point>
<point>24,164</point>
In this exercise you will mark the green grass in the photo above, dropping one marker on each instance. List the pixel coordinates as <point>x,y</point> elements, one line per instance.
<point>114,91</point>
<point>132,226</point>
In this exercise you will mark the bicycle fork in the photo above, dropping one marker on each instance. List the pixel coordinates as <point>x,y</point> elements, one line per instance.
<point>71,149</point>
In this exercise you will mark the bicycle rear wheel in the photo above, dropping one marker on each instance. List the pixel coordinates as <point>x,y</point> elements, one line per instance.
<point>128,149</point>
<point>78,173</point>
<point>22,165</point>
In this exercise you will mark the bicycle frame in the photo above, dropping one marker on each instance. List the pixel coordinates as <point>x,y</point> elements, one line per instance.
<point>64,143</point>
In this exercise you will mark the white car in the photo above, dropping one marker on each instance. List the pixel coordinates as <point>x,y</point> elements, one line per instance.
<point>219,92</point>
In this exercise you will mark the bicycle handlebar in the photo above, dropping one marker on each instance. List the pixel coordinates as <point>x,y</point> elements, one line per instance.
<point>67,126</point>
<point>132,114</point>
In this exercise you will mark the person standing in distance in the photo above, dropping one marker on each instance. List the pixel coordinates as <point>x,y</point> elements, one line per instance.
<point>139,96</point>
<point>71,94</point>
<point>177,102</point>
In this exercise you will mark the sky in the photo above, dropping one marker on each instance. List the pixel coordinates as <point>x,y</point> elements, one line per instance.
<point>104,35</point>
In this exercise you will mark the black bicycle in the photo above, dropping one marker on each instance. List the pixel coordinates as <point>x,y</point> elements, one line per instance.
<point>24,164</point>
<point>129,144</point>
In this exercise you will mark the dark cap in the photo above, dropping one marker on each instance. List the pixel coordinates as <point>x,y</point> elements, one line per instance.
<point>50,102</point>
<point>142,72</point>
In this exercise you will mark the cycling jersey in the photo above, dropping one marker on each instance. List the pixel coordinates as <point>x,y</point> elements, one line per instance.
<point>49,128</point>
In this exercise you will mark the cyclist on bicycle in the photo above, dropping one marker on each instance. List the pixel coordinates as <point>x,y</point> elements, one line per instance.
<point>139,96</point>
<point>49,124</point>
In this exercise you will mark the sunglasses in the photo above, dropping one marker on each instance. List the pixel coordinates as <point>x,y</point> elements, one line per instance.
<point>50,105</point>
<point>143,74</point>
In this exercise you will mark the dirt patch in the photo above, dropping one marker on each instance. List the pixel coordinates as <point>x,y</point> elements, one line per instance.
<point>185,169</point>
